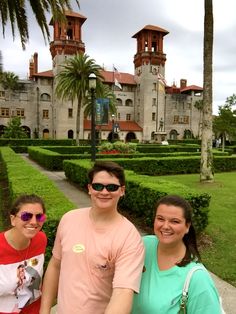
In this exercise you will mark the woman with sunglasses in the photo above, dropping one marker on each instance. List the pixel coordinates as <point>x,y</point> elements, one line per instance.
<point>98,254</point>
<point>22,251</point>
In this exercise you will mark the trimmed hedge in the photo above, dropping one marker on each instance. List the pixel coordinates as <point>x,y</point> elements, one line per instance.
<point>52,157</point>
<point>23,178</point>
<point>142,194</point>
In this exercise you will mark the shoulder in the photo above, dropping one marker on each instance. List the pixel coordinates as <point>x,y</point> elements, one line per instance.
<point>73,214</point>
<point>200,276</point>
<point>150,241</point>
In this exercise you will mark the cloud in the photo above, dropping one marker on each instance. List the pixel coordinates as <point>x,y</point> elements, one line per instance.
<point>110,25</point>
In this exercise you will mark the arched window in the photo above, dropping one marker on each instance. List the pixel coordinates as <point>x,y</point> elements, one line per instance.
<point>188,134</point>
<point>173,134</point>
<point>46,134</point>
<point>119,102</point>
<point>2,128</point>
<point>27,130</point>
<point>45,97</point>
<point>129,103</point>
<point>70,134</point>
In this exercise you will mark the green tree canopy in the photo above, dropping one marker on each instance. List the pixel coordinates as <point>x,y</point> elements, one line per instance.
<point>224,125</point>
<point>9,80</point>
<point>14,129</point>
<point>72,82</point>
<point>15,12</point>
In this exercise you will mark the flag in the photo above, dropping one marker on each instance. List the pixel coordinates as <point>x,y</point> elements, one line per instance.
<point>115,69</point>
<point>117,84</point>
<point>161,79</point>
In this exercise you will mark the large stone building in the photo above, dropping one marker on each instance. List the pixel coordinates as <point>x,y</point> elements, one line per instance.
<point>147,108</point>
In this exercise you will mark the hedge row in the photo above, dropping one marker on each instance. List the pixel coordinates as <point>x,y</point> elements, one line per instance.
<point>23,178</point>
<point>175,165</point>
<point>52,157</point>
<point>142,194</point>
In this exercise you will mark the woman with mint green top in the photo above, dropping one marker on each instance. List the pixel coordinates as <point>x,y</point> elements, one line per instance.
<point>170,254</point>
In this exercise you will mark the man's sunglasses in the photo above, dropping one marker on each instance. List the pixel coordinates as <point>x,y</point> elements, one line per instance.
<point>25,216</point>
<point>109,187</point>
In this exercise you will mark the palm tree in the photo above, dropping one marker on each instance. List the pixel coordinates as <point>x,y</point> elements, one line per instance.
<point>72,82</point>
<point>206,173</point>
<point>9,81</point>
<point>15,12</point>
<point>199,106</point>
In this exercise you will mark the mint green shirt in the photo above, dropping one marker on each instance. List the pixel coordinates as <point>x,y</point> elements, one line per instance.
<point>161,290</point>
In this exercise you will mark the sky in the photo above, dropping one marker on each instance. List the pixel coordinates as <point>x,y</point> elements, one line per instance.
<point>110,25</point>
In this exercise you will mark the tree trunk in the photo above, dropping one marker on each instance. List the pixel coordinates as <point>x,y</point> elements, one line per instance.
<point>78,121</point>
<point>206,145</point>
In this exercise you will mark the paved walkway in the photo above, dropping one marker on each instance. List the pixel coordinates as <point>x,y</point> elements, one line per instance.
<point>81,199</point>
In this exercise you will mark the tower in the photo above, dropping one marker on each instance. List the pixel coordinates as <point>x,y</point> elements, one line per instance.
<point>149,64</point>
<point>67,38</point>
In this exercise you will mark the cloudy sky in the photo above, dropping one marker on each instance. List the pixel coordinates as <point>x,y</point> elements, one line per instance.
<point>110,25</point>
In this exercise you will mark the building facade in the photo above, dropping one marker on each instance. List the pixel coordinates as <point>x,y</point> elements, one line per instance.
<point>148,110</point>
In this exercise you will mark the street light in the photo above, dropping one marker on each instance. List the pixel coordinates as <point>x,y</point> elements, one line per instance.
<point>112,127</point>
<point>92,88</point>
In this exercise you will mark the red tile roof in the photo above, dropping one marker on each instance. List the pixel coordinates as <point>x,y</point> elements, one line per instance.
<point>191,87</point>
<point>151,28</point>
<point>122,78</point>
<point>123,125</point>
<point>71,14</point>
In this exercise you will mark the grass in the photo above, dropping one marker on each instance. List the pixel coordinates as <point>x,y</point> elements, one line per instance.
<point>219,254</point>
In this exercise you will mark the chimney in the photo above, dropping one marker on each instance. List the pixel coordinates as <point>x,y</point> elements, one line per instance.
<point>35,62</point>
<point>183,83</point>
<point>31,68</point>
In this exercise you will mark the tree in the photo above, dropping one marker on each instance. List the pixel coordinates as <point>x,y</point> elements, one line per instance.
<point>225,123</point>
<point>1,67</point>
<point>199,106</point>
<point>15,12</point>
<point>72,82</point>
<point>9,80</point>
<point>14,129</point>
<point>206,173</point>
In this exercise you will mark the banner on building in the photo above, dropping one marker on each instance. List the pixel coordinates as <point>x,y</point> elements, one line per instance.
<point>102,111</point>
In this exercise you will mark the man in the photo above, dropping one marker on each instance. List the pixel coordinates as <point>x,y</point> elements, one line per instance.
<point>98,254</point>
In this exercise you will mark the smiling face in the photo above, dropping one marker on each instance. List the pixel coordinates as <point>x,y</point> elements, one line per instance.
<point>170,225</point>
<point>27,229</point>
<point>105,200</point>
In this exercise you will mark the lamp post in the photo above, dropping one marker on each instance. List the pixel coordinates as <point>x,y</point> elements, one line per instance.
<point>112,127</point>
<point>92,88</point>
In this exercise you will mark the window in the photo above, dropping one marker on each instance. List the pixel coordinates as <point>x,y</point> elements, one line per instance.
<point>176,119</point>
<point>154,86</point>
<point>20,112</point>
<point>186,119</point>
<point>45,97</point>
<point>138,119</point>
<point>45,114</point>
<point>128,103</point>
<point>118,102</point>
<point>4,112</point>
<point>128,117</point>
<point>70,113</point>
<point>154,101</point>
<point>118,116</point>
<point>153,116</point>
<point>2,94</point>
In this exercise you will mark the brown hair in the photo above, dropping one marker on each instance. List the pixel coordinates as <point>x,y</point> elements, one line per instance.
<point>110,167</point>
<point>26,199</point>
<point>189,239</point>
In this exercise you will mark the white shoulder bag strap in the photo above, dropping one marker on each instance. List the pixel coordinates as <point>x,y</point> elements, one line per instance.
<point>184,297</point>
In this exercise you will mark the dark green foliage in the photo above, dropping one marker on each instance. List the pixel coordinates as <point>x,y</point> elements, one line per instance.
<point>142,194</point>
<point>35,142</point>
<point>14,129</point>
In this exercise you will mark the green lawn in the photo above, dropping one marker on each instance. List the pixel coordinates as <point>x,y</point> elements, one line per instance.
<point>220,255</point>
